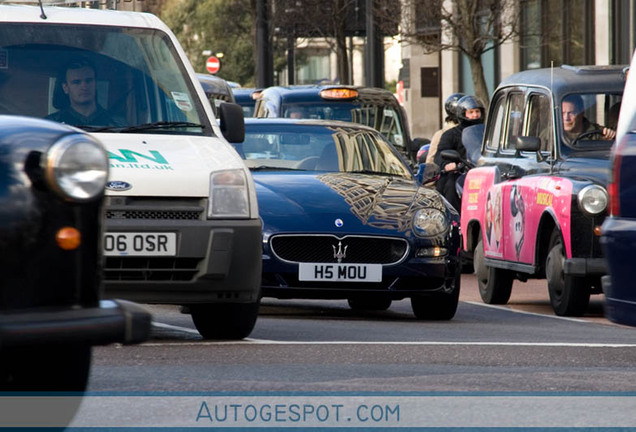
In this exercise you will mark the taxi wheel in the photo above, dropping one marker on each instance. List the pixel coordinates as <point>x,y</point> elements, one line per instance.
<point>437,306</point>
<point>569,295</point>
<point>495,285</point>
<point>228,321</point>
<point>369,303</point>
<point>61,367</point>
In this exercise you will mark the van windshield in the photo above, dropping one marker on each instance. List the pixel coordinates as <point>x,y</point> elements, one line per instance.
<point>99,78</point>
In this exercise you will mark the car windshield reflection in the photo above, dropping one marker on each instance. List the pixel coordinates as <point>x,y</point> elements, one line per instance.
<point>320,148</point>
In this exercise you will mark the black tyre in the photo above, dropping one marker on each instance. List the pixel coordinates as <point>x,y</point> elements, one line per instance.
<point>63,368</point>
<point>495,285</point>
<point>369,303</point>
<point>229,321</point>
<point>438,306</point>
<point>569,295</point>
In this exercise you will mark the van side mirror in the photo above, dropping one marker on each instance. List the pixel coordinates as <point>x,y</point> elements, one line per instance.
<point>232,122</point>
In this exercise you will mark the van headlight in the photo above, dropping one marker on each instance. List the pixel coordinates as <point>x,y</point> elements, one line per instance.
<point>76,167</point>
<point>593,199</point>
<point>229,197</point>
<point>429,222</point>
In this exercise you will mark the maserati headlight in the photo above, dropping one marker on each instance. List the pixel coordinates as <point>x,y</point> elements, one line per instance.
<point>429,222</point>
<point>229,197</point>
<point>76,167</point>
<point>593,199</point>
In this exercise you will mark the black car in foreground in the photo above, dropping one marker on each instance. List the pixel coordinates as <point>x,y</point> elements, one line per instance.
<point>52,181</point>
<point>618,237</point>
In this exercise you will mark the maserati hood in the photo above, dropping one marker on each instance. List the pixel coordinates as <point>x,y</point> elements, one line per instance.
<point>322,202</point>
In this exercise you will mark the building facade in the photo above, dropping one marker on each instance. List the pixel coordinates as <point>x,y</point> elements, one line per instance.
<point>551,33</point>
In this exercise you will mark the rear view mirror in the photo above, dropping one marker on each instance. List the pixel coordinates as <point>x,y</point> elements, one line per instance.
<point>294,139</point>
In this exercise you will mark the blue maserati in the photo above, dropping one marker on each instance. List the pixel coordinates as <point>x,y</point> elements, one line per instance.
<point>344,218</point>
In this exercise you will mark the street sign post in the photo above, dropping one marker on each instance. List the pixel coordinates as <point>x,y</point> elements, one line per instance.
<point>213,64</point>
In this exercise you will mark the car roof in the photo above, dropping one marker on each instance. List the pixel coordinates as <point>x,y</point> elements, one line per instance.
<point>570,79</point>
<point>299,93</point>
<point>64,15</point>
<point>252,121</point>
<point>214,86</point>
<point>245,93</point>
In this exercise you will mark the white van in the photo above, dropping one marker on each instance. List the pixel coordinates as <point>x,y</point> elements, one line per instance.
<point>181,216</point>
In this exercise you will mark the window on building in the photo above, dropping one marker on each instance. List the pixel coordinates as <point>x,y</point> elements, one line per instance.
<point>316,68</point>
<point>556,32</point>
<point>623,31</point>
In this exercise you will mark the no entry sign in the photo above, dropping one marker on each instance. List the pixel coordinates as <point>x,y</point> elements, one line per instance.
<point>213,64</point>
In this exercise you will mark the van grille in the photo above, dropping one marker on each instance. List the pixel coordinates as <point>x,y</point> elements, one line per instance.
<point>150,269</point>
<point>142,208</point>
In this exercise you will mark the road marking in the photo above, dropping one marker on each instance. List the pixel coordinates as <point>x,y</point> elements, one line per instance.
<point>172,327</point>
<point>506,308</point>
<point>252,341</point>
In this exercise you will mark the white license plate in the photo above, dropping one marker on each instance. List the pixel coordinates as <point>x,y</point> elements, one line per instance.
<point>140,244</point>
<point>340,272</point>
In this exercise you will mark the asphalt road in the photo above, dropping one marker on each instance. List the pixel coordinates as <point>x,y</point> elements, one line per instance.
<point>325,346</point>
<point>513,365</point>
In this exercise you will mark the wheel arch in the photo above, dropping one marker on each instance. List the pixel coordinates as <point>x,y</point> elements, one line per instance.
<point>547,224</point>
<point>473,235</point>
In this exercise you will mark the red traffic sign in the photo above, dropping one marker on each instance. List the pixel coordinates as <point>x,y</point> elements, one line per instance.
<point>213,64</point>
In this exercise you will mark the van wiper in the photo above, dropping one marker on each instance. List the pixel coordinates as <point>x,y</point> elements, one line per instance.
<point>157,125</point>
<point>141,127</point>
<point>272,168</point>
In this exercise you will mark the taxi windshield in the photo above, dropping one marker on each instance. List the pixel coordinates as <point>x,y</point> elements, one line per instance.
<point>379,117</point>
<point>588,121</point>
<point>319,148</point>
<point>99,78</point>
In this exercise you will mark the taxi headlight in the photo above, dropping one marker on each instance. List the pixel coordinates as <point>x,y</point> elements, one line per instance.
<point>76,168</point>
<point>229,196</point>
<point>429,222</point>
<point>593,199</point>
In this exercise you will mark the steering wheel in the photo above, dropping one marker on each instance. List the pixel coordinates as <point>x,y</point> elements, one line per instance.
<point>308,163</point>
<point>586,134</point>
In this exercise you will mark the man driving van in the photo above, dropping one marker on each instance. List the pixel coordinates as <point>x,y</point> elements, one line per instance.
<point>80,86</point>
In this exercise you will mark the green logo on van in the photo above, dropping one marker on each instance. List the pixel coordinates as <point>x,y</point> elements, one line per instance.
<point>130,156</point>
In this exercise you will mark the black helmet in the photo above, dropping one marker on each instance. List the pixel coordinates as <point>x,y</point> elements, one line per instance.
<point>451,103</point>
<point>466,103</point>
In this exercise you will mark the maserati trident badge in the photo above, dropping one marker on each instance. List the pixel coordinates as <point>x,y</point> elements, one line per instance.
<point>339,253</point>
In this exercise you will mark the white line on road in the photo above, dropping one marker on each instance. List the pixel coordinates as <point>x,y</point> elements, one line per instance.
<point>506,308</point>
<point>251,341</point>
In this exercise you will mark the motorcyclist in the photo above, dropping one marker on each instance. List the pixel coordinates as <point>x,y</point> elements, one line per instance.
<point>450,105</point>
<point>469,111</point>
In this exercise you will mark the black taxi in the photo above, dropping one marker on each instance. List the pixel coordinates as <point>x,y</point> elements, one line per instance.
<point>534,205</point>
<point>374,107</point>
<point>52,180</point>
